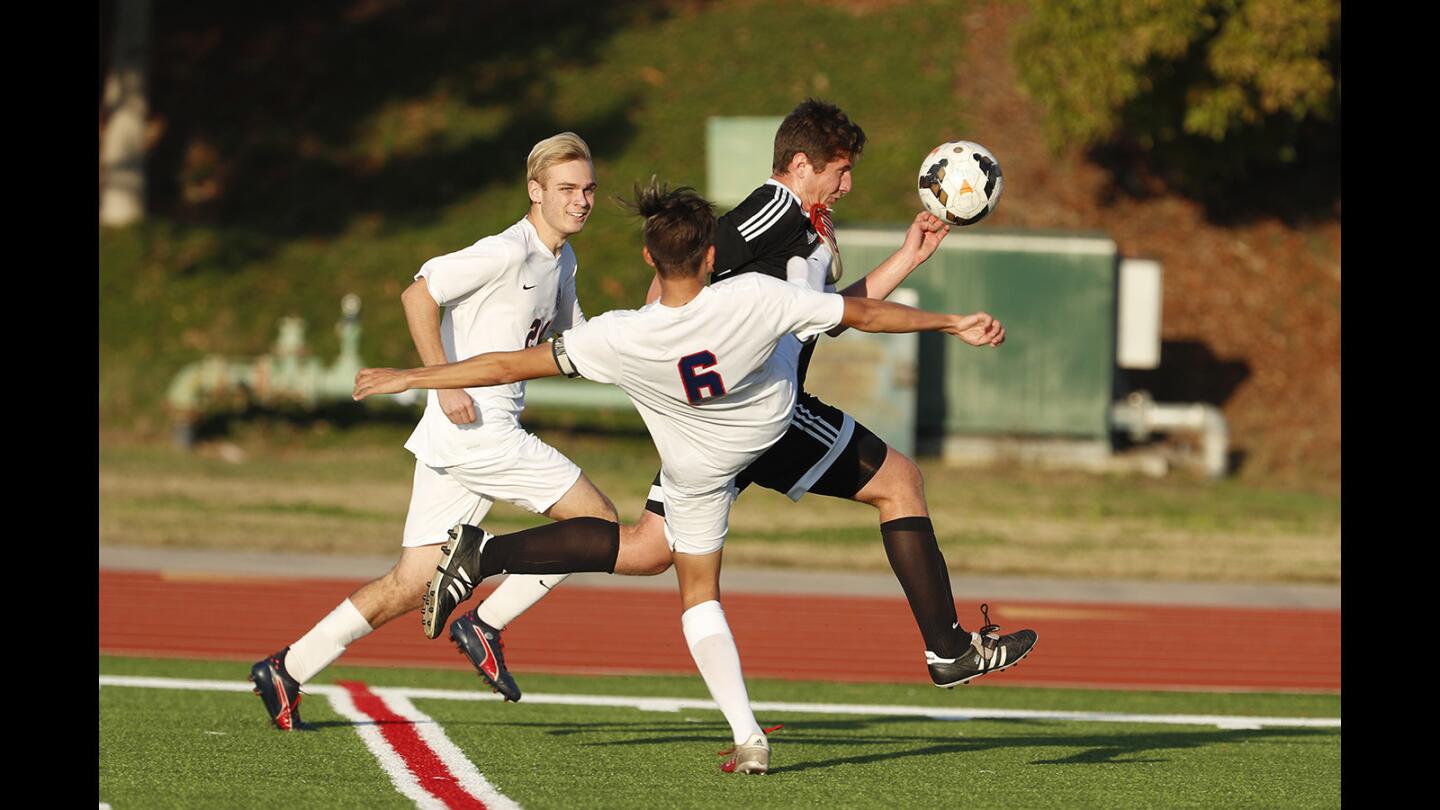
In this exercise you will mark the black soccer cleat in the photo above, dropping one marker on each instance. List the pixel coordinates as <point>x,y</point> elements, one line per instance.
<point>456,577</point>
<point>278,691</point>
<point>481,643</point>
<point>988,652</point>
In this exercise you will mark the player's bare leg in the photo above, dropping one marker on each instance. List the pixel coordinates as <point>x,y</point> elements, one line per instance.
<point>583,499</point>
<point>399,591</point>
<point>644,551</point>
<point>392,595</point>
<point>897,490</point>
<point>713,648</point>
<point>278,678</point>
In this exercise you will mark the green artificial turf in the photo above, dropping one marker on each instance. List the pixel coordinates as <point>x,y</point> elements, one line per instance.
<point>193,748</point>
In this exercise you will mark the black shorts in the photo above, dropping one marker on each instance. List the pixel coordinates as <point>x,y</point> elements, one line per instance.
<point>824,451</point>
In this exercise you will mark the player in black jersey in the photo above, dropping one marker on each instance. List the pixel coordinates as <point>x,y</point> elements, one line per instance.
<point>783,229</point>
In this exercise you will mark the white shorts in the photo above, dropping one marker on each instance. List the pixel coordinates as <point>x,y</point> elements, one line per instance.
<point>697,524</point>
<point>518,469</point>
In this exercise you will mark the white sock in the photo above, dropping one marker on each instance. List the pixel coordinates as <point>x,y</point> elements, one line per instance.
<point>515,596</point>
<point>326,641</point>
<point>713,648</point>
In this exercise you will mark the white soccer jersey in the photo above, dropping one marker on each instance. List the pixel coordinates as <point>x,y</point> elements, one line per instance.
<point>503,293</point>
<point>705,376</point>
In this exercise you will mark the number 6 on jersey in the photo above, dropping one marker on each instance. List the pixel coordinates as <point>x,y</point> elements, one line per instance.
<point>700,383</point>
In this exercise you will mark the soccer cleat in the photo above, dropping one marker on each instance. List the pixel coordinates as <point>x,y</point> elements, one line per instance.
<point>456,577</point>
<point>751,756</point>
<point>988,652</point>
<point>482,645</point>
<point>278,691</point>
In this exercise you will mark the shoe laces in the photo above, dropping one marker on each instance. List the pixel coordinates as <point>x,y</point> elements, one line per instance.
<point>766,731</point>
<point>988,637</point>
<point>989,626</point>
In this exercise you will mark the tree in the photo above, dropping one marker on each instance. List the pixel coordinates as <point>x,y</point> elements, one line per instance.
<point>122,144</point>
<point>1213,88</point>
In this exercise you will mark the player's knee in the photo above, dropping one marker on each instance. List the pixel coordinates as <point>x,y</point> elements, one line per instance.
<point>606,509</point>
<point>898,482</point>
<point>658,562</point>
<point>910,471</point>
<point>643,550</point>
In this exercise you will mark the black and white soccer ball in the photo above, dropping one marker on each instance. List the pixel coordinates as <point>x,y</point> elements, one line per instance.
<point>960,182</point>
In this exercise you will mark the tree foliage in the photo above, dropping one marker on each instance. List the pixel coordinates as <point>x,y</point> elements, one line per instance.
<point>1183,77</point>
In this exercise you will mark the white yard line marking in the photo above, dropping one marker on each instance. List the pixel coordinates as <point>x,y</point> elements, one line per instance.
<point>412,771</point>
<point>464,770</point>
<point>390,759</point>
<point>678,704</point>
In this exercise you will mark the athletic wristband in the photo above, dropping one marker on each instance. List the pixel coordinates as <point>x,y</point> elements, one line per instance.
<point>562,360</point>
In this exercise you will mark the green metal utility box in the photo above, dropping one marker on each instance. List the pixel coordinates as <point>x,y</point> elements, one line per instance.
<point>1054,292</point>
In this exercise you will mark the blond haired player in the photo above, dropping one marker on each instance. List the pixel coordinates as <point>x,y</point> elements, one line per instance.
<point>503,293</point>
<point>784,230</point>
<point>701,366</point>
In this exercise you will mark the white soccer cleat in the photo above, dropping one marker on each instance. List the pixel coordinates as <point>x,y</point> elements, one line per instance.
<point>751,756</point>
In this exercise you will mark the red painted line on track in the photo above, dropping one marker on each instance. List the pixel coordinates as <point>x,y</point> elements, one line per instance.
<point>829,638</point>
<point>431,772</point>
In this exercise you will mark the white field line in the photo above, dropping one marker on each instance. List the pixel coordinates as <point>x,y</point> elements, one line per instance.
<point>677,704</point>
<point>390,760</point>
<point>465,772</point>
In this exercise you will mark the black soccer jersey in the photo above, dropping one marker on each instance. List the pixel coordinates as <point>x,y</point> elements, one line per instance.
<point>762,233</point>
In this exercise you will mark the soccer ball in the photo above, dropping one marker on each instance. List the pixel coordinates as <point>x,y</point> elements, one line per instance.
<point>960,182</point>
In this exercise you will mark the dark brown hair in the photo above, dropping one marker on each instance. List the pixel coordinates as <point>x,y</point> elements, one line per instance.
<point>679,226</point>
<point>819,129</point>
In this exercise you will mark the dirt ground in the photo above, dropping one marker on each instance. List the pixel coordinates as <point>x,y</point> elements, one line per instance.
<point>1251,318</point>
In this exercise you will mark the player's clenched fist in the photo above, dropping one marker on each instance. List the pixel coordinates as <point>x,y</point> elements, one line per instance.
<point>457,405</point>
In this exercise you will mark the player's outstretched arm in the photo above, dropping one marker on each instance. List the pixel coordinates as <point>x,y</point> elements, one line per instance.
<point>492,368</point>
<point>869,315</point>
<point>921,239</point>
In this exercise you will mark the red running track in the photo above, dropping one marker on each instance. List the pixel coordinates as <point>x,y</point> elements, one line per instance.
<point>807,637</point>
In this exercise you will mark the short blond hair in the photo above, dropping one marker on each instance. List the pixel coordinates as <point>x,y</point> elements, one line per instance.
<point>553,151</point>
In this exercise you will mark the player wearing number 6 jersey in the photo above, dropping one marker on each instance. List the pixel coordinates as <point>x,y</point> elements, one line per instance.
<point>701,366</point>
<point>502,293</point>
<point>783,230</point>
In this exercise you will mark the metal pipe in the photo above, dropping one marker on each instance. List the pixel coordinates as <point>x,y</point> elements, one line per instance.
<point>1140,415</point>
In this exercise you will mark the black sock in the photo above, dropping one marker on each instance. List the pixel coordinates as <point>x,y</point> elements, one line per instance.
<point>566,547</point>
<point>915,557</point>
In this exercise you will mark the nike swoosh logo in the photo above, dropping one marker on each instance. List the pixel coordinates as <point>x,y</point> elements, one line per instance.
<point>527,286</point>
